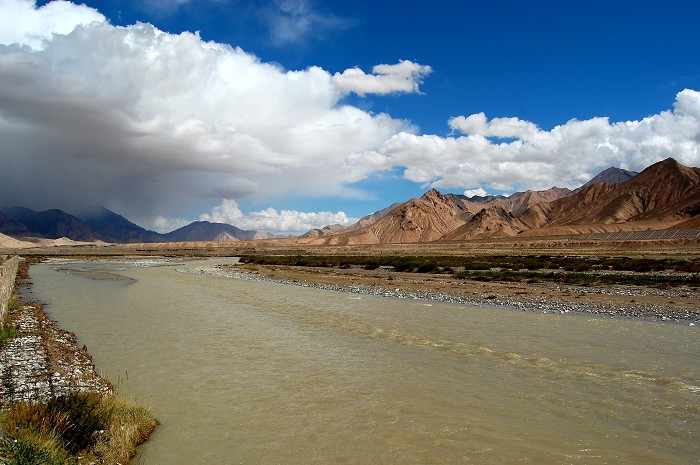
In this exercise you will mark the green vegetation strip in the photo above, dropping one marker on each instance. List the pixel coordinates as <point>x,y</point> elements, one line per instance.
<point>570,270</point>
<point>81,427</point>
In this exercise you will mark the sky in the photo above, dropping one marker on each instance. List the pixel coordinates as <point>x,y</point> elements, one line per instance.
<point>288,115</point>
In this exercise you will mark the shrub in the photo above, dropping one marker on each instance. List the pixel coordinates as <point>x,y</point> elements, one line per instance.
<point>687,266</point>
<point>85,414</point>
<point>426,268</point>
<point>403,266</point>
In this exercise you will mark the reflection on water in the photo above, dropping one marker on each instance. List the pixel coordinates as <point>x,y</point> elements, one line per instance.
<point>253,372</point>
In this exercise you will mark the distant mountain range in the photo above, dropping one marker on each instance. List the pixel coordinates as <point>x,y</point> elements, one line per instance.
<point>666,194</point>
<point>101,224</point>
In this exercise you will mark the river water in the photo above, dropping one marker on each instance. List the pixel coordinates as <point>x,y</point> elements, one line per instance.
<point>254,372</point>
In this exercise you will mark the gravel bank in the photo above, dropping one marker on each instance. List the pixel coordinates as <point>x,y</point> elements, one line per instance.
<point>674,304</point>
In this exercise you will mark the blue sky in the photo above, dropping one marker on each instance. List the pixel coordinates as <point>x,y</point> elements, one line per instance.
<point>566,89</point>
<point>544,61</point>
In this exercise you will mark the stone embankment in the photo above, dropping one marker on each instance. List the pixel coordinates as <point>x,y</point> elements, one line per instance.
<point>39,360</point>
<point>44,361</point>
<point>8,272</point>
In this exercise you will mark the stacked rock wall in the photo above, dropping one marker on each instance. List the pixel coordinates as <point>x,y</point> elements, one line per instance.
<point>8,272</point>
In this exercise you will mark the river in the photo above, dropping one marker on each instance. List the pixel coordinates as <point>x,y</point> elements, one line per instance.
<point>253,372</point>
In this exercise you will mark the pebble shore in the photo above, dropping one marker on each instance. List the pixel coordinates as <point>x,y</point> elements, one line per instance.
<point>530,303</point>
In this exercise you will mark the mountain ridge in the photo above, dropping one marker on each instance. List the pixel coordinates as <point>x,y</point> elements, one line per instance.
<point>664,195</point>
<point>665,192</point>
<point>102,224</point>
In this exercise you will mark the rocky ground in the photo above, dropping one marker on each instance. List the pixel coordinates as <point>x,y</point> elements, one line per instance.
<point>43,361</point>
<point>676,304</point>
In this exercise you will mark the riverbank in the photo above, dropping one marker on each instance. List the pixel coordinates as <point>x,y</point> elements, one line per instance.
<point>677,304</point>
<point>41,367</point>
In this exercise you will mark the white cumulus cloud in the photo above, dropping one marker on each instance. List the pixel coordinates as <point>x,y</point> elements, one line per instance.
<point>480,192</point>
<point>162,224</point>
<point>150,123</point>
<point>288,221</point>
<point>23,24</point>
<point>405,76</point>
<point>510,153</point>
<point>477,124</point>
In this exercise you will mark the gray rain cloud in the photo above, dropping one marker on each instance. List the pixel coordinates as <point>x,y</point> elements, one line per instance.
<point>139,119</point>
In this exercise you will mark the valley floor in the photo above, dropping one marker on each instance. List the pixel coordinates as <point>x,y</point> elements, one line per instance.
<point>681,304</point>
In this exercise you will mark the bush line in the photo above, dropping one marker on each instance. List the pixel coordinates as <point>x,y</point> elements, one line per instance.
<point>572,270</point>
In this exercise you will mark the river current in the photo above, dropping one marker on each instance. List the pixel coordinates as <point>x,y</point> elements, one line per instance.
<point>253,372</point>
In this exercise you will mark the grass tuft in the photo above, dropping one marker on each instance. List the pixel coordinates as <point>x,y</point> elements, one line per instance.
<point>95,426</point>
<point>29,453</point>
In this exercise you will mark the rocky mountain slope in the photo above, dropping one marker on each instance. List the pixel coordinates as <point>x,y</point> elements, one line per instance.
<point>213,232</point>
<point>521,201</point>
<point>424,219</point>
<point>111,227</point>
<point>489,222</point>
<point>665,194</point>
<point>47,224</point>
<point>362,222</point>
<point>434,216</point>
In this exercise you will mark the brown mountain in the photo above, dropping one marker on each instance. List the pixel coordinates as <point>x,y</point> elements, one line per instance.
<point>436,216</point>
<point>329,230</point>
<point>498,216</point>
<point>489,222</point>
<point>692,223</point>
<point>521,201</point>
<point>425,219</point>
<point>203,231</point>
<point>515,203</point>
<point>369,219</point>
<point>665,192</point>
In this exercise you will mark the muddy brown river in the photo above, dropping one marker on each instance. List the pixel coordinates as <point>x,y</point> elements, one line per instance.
<point>253,372</point>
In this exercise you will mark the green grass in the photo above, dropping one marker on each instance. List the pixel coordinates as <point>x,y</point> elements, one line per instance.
<point>28,453</point>
<point>8,331</point>
<point>13,304</point>
<point>84,424</point>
